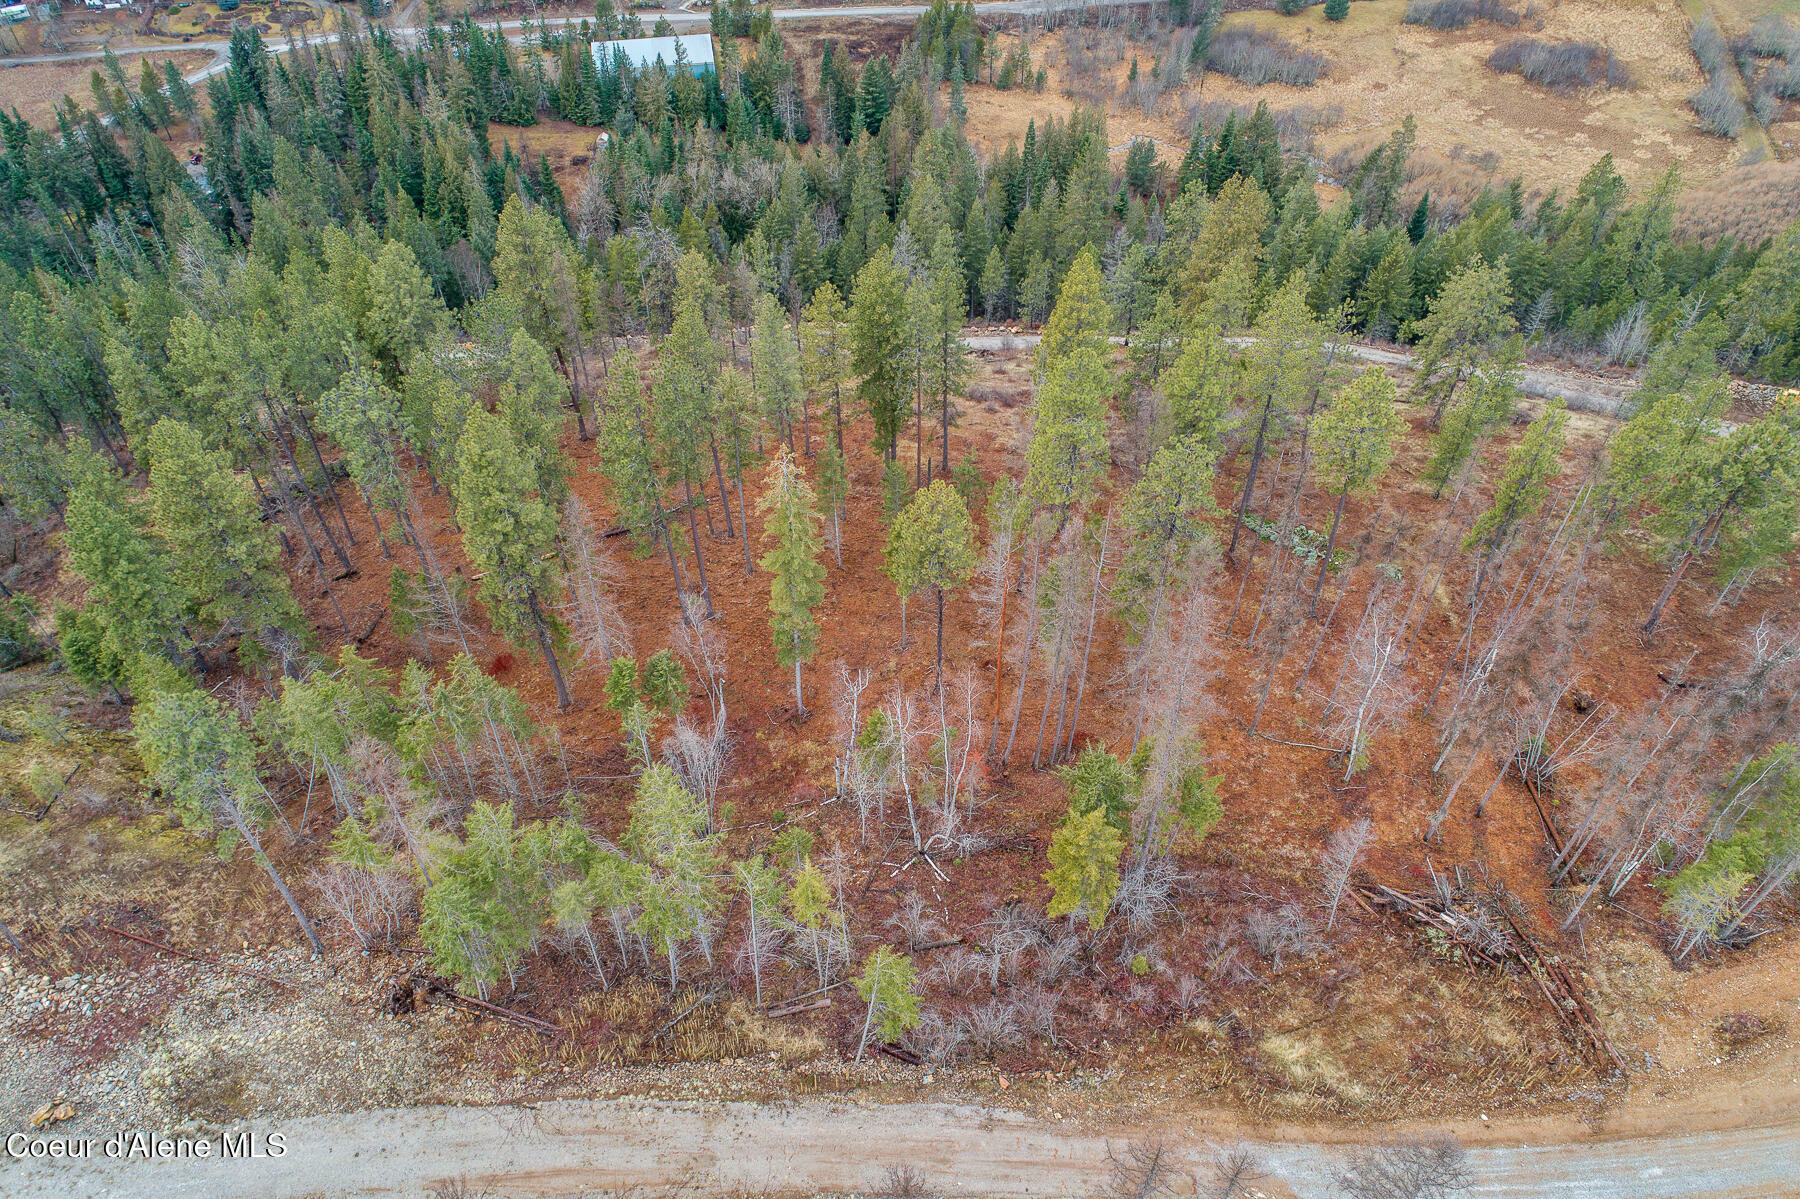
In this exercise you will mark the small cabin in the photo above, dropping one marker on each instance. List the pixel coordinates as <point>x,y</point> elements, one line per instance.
<point>692,52</point>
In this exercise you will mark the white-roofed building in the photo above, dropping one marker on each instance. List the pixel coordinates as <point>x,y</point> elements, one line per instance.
<point>693,51</point>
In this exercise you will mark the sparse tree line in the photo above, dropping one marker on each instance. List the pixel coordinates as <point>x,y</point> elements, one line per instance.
<point>370,297</point>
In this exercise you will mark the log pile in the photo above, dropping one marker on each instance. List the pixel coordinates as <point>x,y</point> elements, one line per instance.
<point>1484,927</point>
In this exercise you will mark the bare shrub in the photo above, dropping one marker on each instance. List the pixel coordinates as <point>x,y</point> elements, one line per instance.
<point>1058,959</point>
<point>373,902</point>
<point>1560,66</point>
<point>1750,204</point>
<point>1147,893</point>
<point>902,1182</point>
<point>1457,14</point>
<point>994,1027</point>
<point>1286,932</point>
<point>1628,340</point>
<point>91,801</point>
<point>939,1040</point>
<point>1411,1168</point>
<point>1772,36</point>
<point>1765,106</point>
<point>1255,57</point>
<point>1295,125</point>
<point>1784,81</point>
<point>1709,48</point>
<point>961,971</point>
<point>1718,109</point>
<point>1016,933</point>
<point>914,923</point>
<point>1037,1011</point>
<point>1144,1169</point>
<point>1224,961</point>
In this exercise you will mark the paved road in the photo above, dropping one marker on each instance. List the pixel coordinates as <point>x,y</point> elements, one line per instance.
<point>868,12</point>
<point>567,1147</point>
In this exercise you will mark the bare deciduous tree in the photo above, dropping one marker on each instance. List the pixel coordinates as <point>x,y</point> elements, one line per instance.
<point>1235,1173</point>
<point>1144,1169</point>
<point>1376,693</point>
<point>1343,854</point>
<point>701,757</point>
<point>372,901</point>
<point>1411,1168</point>
<point>601,633</point>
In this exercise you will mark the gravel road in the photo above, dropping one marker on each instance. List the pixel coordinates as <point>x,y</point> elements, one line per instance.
<point>1582,393</point>
<point>570,1147</point>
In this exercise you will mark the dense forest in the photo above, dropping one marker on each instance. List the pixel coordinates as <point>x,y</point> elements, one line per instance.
<point>362,317</point>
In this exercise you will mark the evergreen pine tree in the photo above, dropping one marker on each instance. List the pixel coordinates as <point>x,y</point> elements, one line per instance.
<point>1080,320</point>
<point>509,533</point>
<point>1353,446</point>
<point>826,353</point>
<point>1522,487</point>
<point>220,551</point>
<point>833,487</point>
<point>777,372</point>
<point>1472,413</point>
<point>204,760</point>
<point>1162,516</point>
<point>1084,866</point>
<point>887,984</point>
<point>133,600</point>
<point>1419,223</point>
<point>1467,323</point>
<point>932,544</point>
<point>878,342</point>
<point>667,834</point>
<point>797,578</point>
<point>628,460</point>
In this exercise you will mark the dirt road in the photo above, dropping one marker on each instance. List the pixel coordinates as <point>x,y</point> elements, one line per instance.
<point>1582,393</point>
<point>571,1147</point>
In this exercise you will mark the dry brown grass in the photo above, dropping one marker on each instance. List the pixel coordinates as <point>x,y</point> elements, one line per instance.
<point>1749,203</point>
<point>640,1023</point>
<point>1475,125</point>
<point>35,88</point>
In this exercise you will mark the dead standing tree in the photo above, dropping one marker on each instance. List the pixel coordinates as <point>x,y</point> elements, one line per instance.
<point>1377,693</point>
<point>593,615</point>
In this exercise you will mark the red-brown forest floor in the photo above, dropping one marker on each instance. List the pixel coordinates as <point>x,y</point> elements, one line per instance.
<point>1378,1024</point>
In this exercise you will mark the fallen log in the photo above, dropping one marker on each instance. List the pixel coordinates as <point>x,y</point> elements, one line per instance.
<point>436,992</point>
<point>370,631</point>
<point>794,1009</point>
<point>1543,815</point>
<point>905,1055</point>
<point>119,932</point>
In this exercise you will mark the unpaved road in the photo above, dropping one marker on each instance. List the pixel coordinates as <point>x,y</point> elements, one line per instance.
<point>1582,393</point>
<point>572,1147</point>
